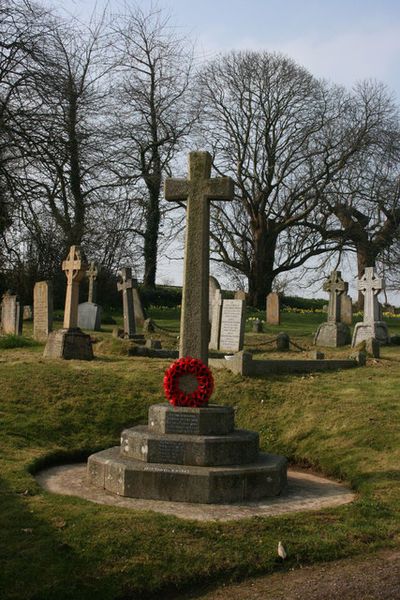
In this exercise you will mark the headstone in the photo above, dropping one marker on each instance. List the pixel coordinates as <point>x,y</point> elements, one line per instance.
<point>213,286</point>
<point>333,333</point>
<point>216,320</point>
<point>92,274</point>
<point>273,315</point>
<point>126,286</point>
<point>240,295</point>
<point>282,341</point>
<point>27,314</point>
<point>140,315</point>
<point>372,326</point>
<point>89,316</point>
<point>198,191</point>
<point>257,326</point>
<point>11,314</point>
<point>373,347</point>
<point>70,342</point>
<point>148,326</point>
<point>346,309</point>
<point>232,325</point>
<point>42,310</point>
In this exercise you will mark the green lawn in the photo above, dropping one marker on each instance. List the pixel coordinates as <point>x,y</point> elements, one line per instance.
<point>343,424</point>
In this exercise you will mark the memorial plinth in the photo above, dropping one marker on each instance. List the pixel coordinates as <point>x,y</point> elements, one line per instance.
<point>189,455</point>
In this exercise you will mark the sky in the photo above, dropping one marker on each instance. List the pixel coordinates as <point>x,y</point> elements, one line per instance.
<point>343,41</point>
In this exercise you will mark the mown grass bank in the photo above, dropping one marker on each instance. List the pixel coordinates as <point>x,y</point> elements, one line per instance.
<point>343,424</point>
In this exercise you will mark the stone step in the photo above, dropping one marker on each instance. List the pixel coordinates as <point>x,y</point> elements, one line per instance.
<point>236,448</point>
<point>183,483</point>
<point>208,420</point>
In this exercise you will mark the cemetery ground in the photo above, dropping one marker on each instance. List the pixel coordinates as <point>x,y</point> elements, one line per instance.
<point>342,424</point>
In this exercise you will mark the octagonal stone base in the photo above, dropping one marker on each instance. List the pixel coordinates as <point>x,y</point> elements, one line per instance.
<point>236,448</point>
<point>69,344</point>
<point>184,483</point>
<point>377,330</point>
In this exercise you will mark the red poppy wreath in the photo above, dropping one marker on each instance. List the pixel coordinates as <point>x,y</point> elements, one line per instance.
<point>188,382</point>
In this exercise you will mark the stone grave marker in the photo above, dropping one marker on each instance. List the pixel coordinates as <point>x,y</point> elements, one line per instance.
<point>372,326</point>
<point>213,286</point>
<point>70,342</point>
<point>89,313</point>
<point>42,310</point>
<point>198,190</point>
<point>11,314</point>
<point>140,315</point>
<point>333,333</point>
<point>346,309</point>
<point>240,295</point>
<point>273,311</point>
<point>27,313</point>
<point>125,286</point>
<point>216,320</point>
<point>232,325</point>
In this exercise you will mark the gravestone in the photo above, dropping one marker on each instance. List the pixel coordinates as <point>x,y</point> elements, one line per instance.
<point>232,325</point>
<point>11,314</point>
<point>282,341</point>
<point>70,342</point>
<point>213,286</point>
<point>257,326</point>
<point>372,326</point>
<point>240,295</point>
<point>140,315</point>
<point>27,313</point>
<point>333,333</point>
<point>198,190</point>
<point>346,309</point>
<point>216,320</point>
<point>42,310</point>
<point>126,286</point>
<point>89,313</point>
<point>273,312</point>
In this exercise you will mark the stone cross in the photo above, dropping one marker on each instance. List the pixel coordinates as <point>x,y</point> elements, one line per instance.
<point>335,286</point>
<point>92,274</point>
<point>370,285</point>
<point>198,190</point>
<point>126,286</point>
<point>75,269</point>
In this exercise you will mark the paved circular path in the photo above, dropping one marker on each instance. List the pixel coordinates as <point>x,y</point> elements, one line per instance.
<point>305,491</point>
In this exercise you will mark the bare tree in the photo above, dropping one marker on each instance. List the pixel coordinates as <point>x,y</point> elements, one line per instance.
<point>284,136</point>
<point>154,115</point>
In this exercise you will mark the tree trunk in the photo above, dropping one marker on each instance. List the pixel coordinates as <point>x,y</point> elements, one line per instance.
<point>151,238</point>
<point>261,275</point>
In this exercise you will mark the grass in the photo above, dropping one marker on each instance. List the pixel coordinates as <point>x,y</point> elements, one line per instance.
<point>342,424</point>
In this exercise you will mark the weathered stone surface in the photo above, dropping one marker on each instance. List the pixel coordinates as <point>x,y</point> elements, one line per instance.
<point>216,320</point>
<point>373,347</point>
<point>236,448</point>
<point>75,270</point>
<point>148,326</point>
<point>242,363</point>
<point>316,355</point>
<point>92,274</point>
<point>69,344</point>
<point>232,325</point>
<point>185,483</point>
<point>153,344</point>
<point>42,310</point>
<point>346,309</point>
<point>273,311</point>
<point>372,326</point>
<point>89,316</point>
<point>213,286</point>
<point>209,420</point>
<point>27,313</point>
<point>126,286</point>
<point>140,315</point>
<point>198,190</point>
<point>332,335</point>
<point>11,314</point>
<point>282,341</point>
<point>240,295</point>
<point>257,326</point>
